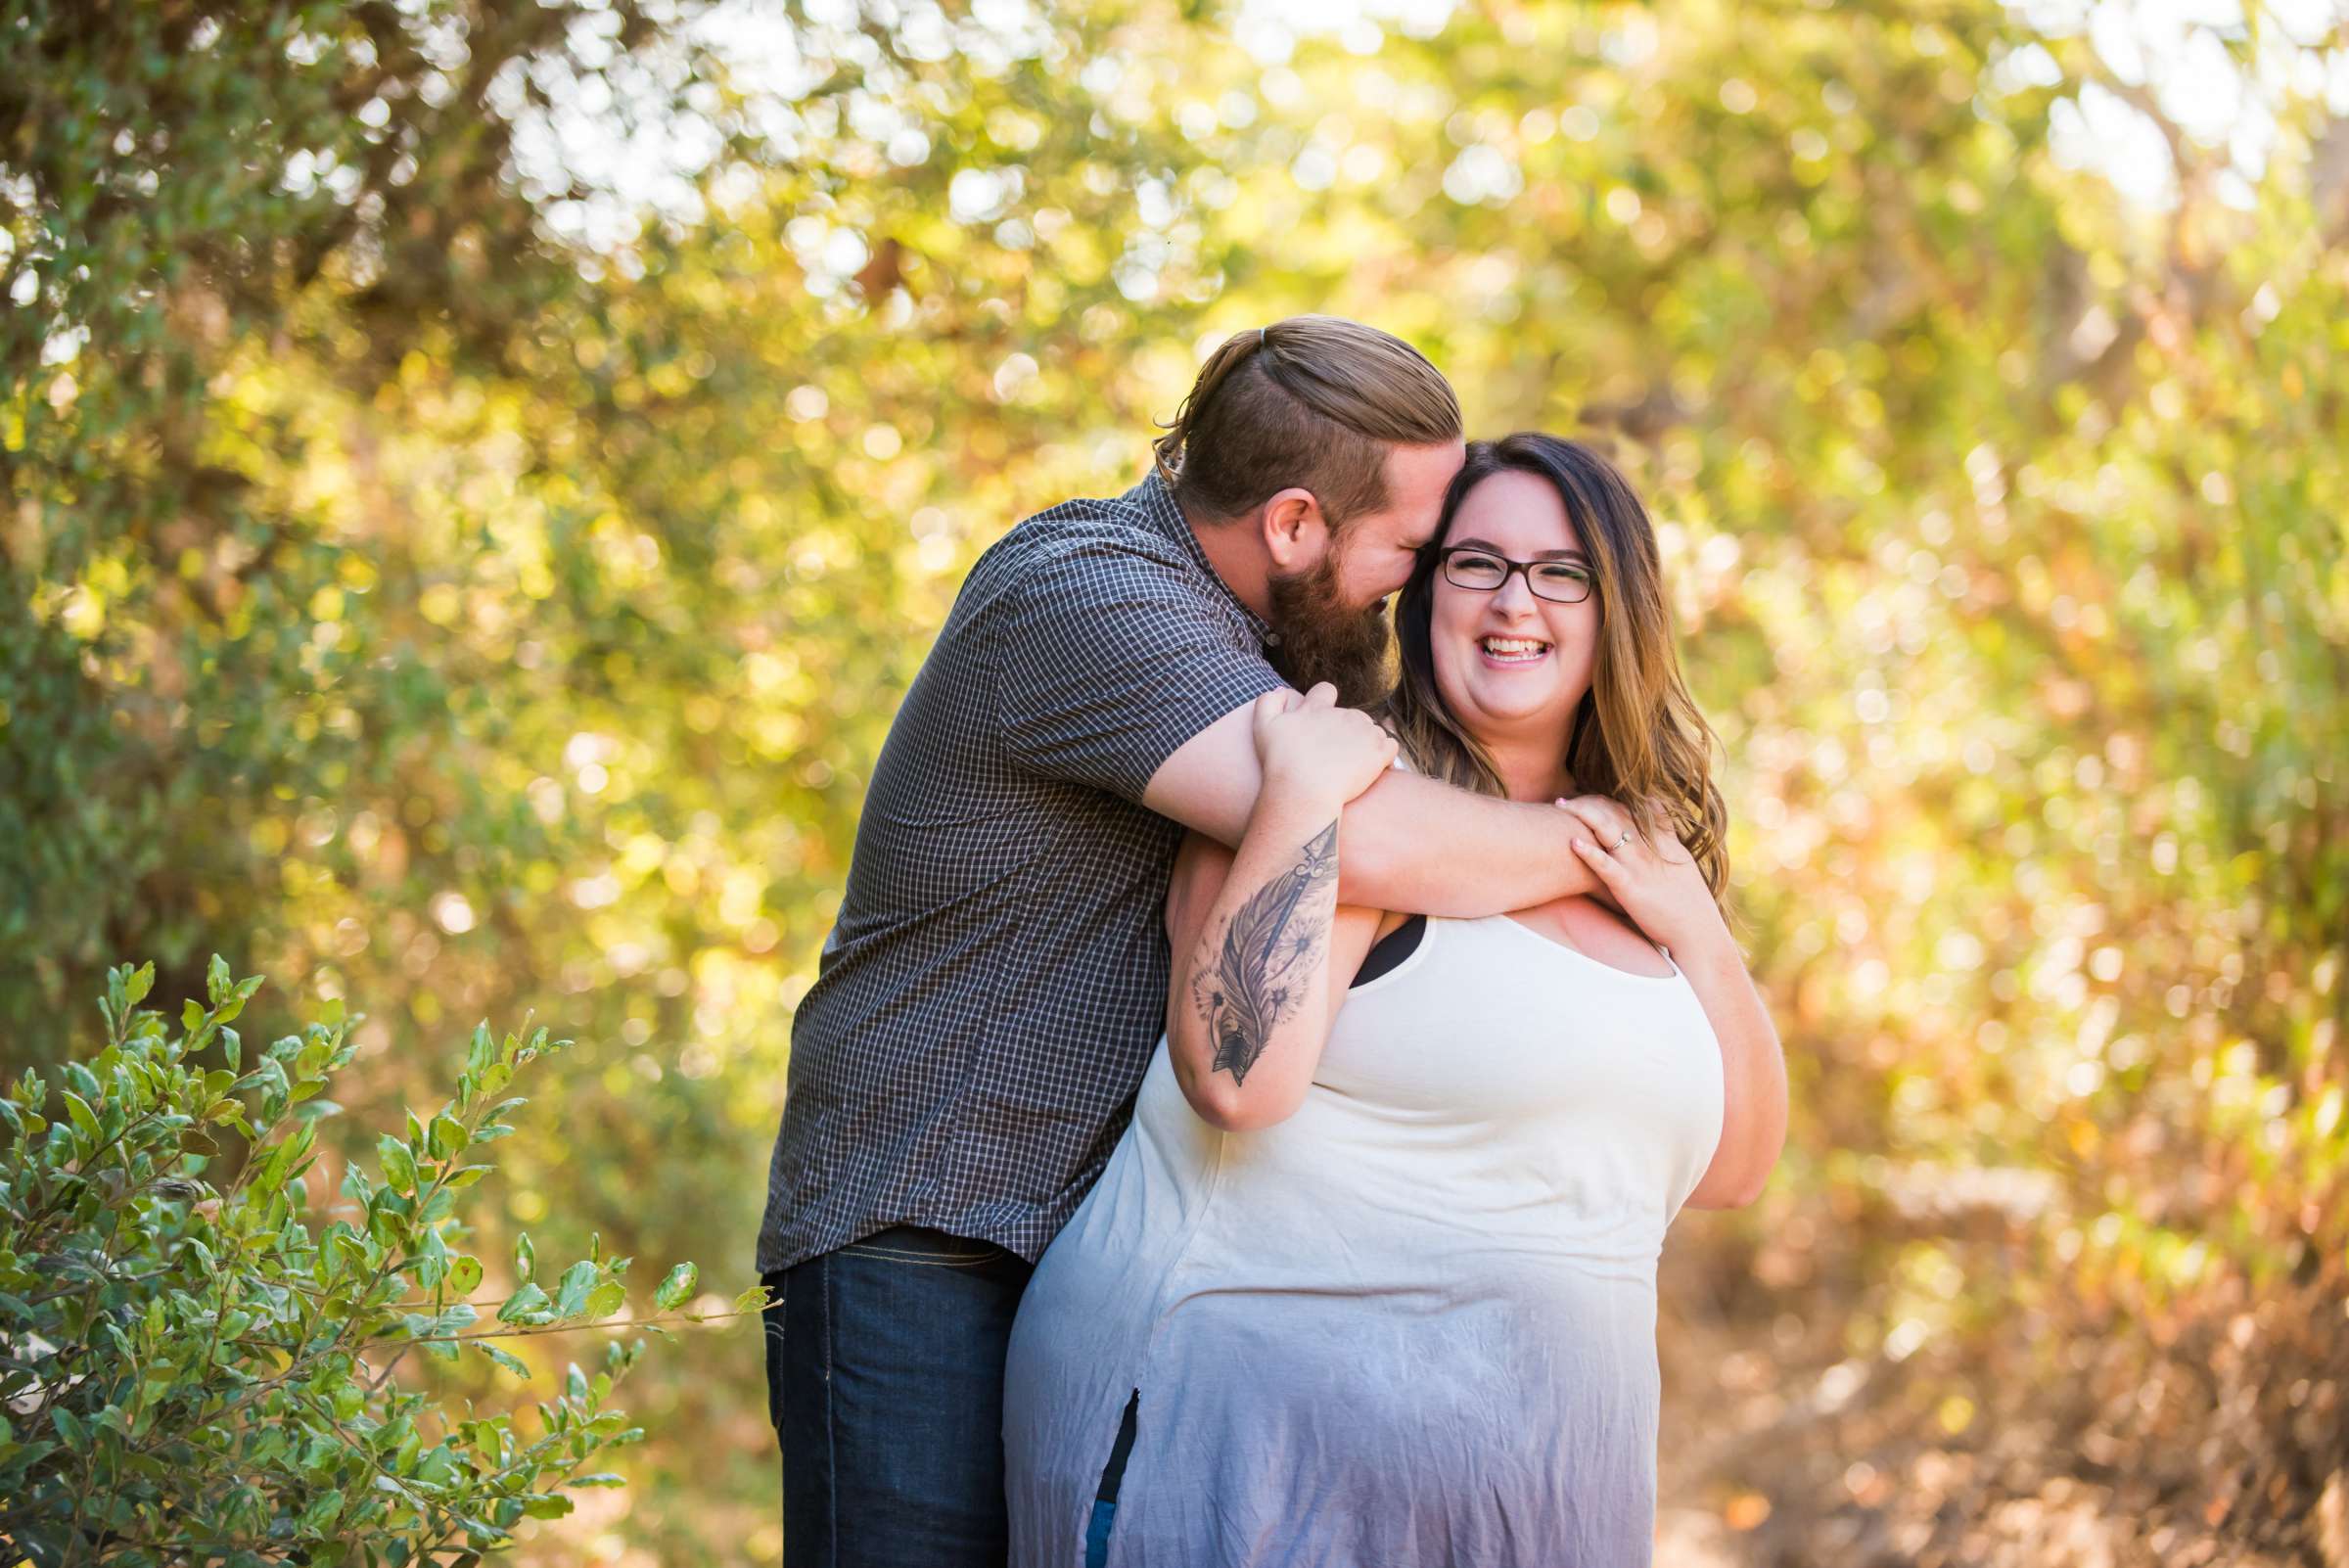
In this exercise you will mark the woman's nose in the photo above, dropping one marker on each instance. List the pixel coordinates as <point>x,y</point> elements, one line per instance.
<point>1514,596</point>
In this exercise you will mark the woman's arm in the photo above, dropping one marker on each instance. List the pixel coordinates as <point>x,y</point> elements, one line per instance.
<point>1753,1068</point>
<point>1660,886</point>
<point>1201,865</point>
<point>1251,994</point>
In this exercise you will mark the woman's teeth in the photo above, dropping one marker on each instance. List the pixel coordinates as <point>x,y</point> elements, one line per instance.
<point>1513,650</point>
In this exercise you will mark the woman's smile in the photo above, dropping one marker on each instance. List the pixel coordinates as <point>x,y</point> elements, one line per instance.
<point>1513,653</point>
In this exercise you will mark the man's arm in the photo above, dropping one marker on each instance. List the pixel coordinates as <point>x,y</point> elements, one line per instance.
<point>1408,842</point>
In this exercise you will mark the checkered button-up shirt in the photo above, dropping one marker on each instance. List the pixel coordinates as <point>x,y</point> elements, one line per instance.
<point>989,995</point>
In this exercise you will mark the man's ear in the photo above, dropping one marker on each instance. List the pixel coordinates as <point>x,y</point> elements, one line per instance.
<point>1294,531</point>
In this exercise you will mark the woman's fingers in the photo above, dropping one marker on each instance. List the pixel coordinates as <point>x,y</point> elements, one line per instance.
<point>1607,819</point>
<point>1596,819</point>
<point>1321,694</point>
<point>1609,869</point>
<point>1599,860</point>
<point>1606,823</point>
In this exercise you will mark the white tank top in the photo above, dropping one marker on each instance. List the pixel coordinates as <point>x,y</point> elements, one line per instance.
<point>1413,1322</point>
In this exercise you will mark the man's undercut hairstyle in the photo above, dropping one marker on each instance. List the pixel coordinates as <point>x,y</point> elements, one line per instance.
<point>1313,402</point>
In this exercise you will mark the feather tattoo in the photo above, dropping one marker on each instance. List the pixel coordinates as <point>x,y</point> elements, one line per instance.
<point>1245,997</point>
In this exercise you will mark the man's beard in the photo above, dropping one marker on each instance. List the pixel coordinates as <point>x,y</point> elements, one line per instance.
<point>1322,638</point>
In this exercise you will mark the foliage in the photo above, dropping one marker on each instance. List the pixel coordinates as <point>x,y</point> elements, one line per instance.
<point>186,1367</point>
<point>476,588</point>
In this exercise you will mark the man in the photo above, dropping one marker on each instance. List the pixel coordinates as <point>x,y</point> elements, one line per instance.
<point>989,997</point>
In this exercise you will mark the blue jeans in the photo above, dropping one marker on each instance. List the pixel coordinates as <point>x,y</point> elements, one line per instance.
<point>885,1383</point>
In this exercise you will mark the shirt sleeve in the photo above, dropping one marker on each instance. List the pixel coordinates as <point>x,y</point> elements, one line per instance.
<point>1109,658</point>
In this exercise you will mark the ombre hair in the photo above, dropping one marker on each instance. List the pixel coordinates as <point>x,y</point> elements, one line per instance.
<point>1636,734</point>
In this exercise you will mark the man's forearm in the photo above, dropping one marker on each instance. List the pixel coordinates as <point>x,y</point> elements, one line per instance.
<point>1409,844</point>
<point>1412,845</point>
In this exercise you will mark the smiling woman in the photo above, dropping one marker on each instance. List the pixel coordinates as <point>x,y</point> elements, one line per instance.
<point>1546,566</point>
<point>1431,1199</point>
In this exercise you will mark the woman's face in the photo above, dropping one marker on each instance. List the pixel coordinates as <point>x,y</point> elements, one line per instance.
<point>1508,664</point>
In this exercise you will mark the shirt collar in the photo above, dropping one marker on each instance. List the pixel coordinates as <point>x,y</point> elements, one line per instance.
<point>1155,500</point>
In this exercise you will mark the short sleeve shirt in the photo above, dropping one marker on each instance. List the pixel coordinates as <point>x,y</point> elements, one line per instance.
<point>997,978</point>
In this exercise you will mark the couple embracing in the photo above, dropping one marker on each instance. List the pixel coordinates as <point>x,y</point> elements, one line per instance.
<point>1245,1091</point>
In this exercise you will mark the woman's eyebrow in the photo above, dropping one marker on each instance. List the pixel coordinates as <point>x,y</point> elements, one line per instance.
<point>1539,555</point>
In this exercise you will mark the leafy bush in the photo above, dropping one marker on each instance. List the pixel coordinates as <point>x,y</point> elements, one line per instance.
<point>193,1372</point>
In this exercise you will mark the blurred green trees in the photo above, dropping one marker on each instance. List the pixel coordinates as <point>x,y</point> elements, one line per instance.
<point>446,562</point>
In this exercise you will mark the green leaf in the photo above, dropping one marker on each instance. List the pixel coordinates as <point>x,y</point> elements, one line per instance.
<point>677,1286</point>
<point>503,1358</point>
<point>72,1428</point>
<point>464,1274</point>
<point>322,1511</point>
<point>527,1305</point>
<point>755,1296</point>
<point>215,980</point>
<point>141,981</point>
<point>571,1296</point>
<point>78,1110</point>
<point>399,1167</point>
<point>526,1257</point>
<point>445,1136</point>
<point>553,1506</point>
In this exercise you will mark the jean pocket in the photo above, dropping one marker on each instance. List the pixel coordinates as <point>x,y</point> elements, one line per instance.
<point>916,1244</point>
<point>771,1329</point>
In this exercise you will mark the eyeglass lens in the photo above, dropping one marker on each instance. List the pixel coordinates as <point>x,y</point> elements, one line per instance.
<point>1562,581</point>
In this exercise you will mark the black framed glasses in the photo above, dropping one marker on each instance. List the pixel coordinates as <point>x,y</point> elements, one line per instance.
<point>1473,567</point>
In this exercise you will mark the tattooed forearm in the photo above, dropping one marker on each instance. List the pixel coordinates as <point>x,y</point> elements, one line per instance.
<point>1247,992</point>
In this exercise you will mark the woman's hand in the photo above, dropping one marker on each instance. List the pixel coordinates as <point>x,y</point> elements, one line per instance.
<point>1312,746</point>
<point>1658,886</point>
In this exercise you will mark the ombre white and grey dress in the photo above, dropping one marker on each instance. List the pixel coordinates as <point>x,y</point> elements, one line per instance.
<point>1413,1324</point>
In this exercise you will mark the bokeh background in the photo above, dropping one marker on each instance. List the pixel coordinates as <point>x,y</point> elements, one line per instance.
<point>479,474</point>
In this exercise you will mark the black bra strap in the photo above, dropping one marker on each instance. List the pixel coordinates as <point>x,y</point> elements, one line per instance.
<point>1391,950</point>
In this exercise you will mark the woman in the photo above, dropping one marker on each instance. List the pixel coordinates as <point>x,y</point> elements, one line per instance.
<point>1371,1277</point>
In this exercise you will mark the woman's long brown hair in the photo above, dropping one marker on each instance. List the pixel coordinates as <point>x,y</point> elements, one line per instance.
<point>1636,735</point>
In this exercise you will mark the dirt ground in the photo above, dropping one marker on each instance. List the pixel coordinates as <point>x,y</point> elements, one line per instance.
<point>2072,1436</point>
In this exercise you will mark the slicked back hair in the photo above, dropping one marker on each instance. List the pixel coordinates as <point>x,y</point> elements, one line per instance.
<point>1312,402</point>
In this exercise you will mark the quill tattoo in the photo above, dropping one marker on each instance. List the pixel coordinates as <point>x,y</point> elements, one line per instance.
<point>1246,995</point>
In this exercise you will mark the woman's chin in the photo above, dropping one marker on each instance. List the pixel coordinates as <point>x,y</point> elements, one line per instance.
<point>1517,712</point>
